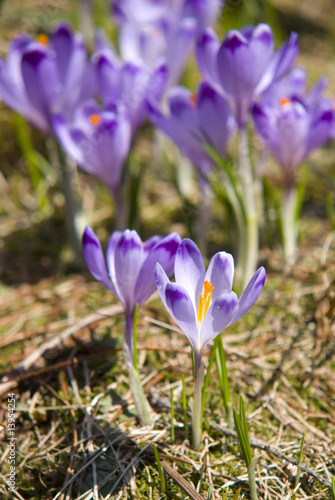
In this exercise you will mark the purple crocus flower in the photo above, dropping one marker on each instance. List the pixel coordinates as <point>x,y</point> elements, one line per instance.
<point>202,302</point>
<point>98,139</point>
<point>196,121</point>
<point>44,76</point>
<point>127,83</point>
<point>294,124</point>
<point>130,269</point>
<point>244,65</point>
<point>162,29</point>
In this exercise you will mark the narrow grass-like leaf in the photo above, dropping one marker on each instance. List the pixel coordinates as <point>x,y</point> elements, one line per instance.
<point>172,416</point>
<point>333,488</point>
<point>135,337</point>
<point>184,406</point>
<point>220,359</point>
<point>240,435</point>
<point>300,460</point>
<point>32,160</point>
<point>244,425</point>
<point>160,469</point>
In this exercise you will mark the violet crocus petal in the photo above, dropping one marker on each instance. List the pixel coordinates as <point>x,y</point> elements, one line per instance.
<point>250,294</point>
<point>189,269</point>
<point>179,47</point>
<point>216,120</point>
<point>150,243</point>
<point>181,309</point>
<point>315,93</point>
<point>241,62</point>
<point>205,12</point>
<point>110,255</point>
<point>220,273</point>
<point>111,143</point>
<point>164,253</point>
<point>218,317</point>
<point>320,129</point>
<point>74,141</point>
<point>107,75</point>
<point>206,51</point>
<point>41,79</point>
<point>280,63</point>
<point>128,259</point>
<point>62,44</point>
<point>94,258</point>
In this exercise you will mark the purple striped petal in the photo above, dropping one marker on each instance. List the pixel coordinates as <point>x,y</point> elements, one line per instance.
<point>181,308</point>
<point>128,257</point>
<point>189,269</point>
<point>250,294</point>
<point>206,52</point>
<point>110,254</point>
<point>218,317</point>
<point>94,258</point>
<point>220,273</point>
<point>164,253</point>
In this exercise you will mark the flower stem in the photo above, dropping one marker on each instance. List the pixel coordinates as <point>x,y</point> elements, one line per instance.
<point>134,378</point>
<point>74,217</point>
<point>251,478</point>
<point>250,250</point>
<point>289,225</point>
<point>196,409</point>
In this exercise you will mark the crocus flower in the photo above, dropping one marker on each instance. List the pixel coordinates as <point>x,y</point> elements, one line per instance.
<point>202,302</point>
<point>127,83</point>
<point>162,29</point>
<point>196,121</point>
<point>292,123</point>
<point>98,139</point>
<point>292,127</point>
<point>130,269</point>
<point>244,64</point>
<point>44,76</point>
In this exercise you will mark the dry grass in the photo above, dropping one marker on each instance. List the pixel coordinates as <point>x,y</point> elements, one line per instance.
<point>61,353</point>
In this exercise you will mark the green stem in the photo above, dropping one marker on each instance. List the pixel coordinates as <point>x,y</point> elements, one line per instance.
<point>289,224</point>
<point>74,217</point>
<point>250,257</point>
<point>251,477</point>
<point>196,408</point>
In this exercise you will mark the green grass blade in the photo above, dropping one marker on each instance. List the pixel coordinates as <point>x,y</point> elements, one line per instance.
<point>333,488</point>
<point>160,469</point>
<point>172,416</point>
<point>184,406</point>
<point>244,425</point>
<point>300,460</point>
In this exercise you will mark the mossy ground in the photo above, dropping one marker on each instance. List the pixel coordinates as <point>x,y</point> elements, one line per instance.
<point>76,427</point>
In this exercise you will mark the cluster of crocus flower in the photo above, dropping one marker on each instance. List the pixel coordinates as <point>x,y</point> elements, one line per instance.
<point>150,30</point>
<point>44,76</point>
<point>201,302</point>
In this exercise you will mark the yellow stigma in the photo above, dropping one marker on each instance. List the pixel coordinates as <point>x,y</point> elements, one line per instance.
<point>43,38</point>
<point>284,100</point>
<point>95,119</point>
<point>204,300</point>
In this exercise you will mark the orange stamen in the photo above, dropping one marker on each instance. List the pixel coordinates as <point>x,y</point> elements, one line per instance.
<point>95,119</point>
<point>193,99</point>
<point>43,38</point>
<point>205,300</point>
<point>285,100</point>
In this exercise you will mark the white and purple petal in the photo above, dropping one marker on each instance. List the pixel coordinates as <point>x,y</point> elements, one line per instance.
<point>189,269</point>
<point>94,258</point>
<point>163,252</point>
<point>250,294</point>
